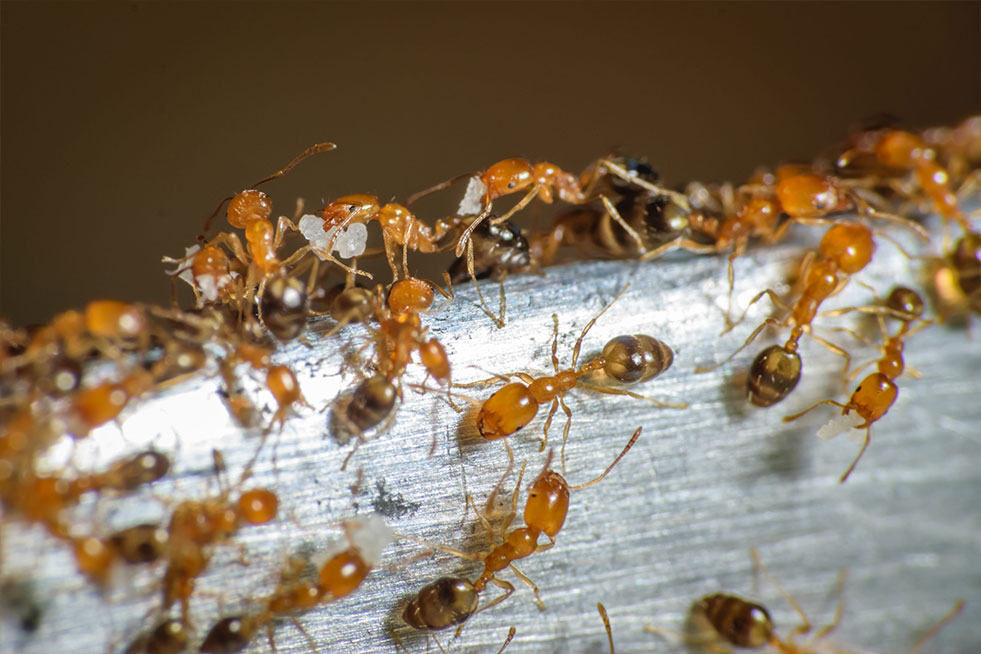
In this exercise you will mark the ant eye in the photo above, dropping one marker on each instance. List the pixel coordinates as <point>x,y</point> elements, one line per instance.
<point>510,184</point>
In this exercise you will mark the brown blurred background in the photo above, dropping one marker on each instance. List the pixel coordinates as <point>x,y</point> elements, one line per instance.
<point>124,124</point>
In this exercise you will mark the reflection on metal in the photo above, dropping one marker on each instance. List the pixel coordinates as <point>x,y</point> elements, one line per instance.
<point>673,522</point>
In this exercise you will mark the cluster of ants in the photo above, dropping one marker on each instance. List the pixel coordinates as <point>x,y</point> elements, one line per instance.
<point>67,378</point>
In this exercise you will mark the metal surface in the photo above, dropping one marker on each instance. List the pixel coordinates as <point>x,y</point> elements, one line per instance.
<point>674,521</point>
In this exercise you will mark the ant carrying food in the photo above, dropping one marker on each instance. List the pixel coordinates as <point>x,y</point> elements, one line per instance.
<point>343,570</point>
<point>876,393</point>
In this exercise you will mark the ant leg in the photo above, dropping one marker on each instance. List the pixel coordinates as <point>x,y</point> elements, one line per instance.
<point>774,298</point>
<point>528,582</point>
<point>483,519</point>
<point>508,590</point>
<point>465,236</point>
<point>805,626</point>
<point>679,243</point>
<point>756,332</point>
<point>589,325</point>
<point>548,422</point>
<point>866,208</point>
<point>636,396</point>
<point>621,172</point>
<point>606,623</point>
<point>555,343</point>
<point>865,445</point>
<point>507,642</point>
<point>441,548</point>
<point>811,408</point>
<point>565,432</point>
<point>519,206</point>
<point>473,278</point>
<point>611,210</point>
<point>837,350</point>
<point>932,631</point>
<point>839,608</point>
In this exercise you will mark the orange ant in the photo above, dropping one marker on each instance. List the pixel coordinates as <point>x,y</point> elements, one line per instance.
<point>249,210</point>
<point>338,576</point>
<point>454,600</point>
<point>877,392</point>
<point>803,196</point>
<point>196,525</point>
<point>399,226</point>
<point>627,359</point>
<point>901,150</point>
<point>845,249</point>
<point>45,499</point>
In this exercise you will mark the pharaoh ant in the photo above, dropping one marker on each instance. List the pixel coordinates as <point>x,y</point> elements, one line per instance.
<point>895,149</point>
<point>954,281</point>
<point>803,196</point>
<point>45,499</point>
<point>452,600</point>
<point>721,620</point>
<point>196,525</point>
<point>625,229</point>
<point>876,393</point>
<point>343,570</point>
<point>249,210</point>
<point>626,359</point>
<point>844,250</point>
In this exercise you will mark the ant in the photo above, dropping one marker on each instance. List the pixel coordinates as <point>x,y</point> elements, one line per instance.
<point>955,279</point>
<point>627,359</point>
<point>399,226</point>
<point>450,601</point>
<point>196,525</point>
<point>721,619</point>
<point>895,149</point>
<point>507,177</point>
<point>341,573</point>
<point>845,249</point>
<point>249,210</point>
<point>876,393</point>
<point>803,196</point>
<point>167,637</point>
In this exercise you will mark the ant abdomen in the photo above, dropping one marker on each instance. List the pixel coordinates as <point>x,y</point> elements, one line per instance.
<point>637,358</point>
<point>738,621</point>
<point>774,373</point>
<point>446,602</point>
<point>229,635</point>
<point>371,402</point>
<point>283,307</point>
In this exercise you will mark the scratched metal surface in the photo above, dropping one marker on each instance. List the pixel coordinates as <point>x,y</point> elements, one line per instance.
<point>672,523</point>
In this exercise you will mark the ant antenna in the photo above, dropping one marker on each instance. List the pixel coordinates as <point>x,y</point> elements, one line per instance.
<point>633,439</point>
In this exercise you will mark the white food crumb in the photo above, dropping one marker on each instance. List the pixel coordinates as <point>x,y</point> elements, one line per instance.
<point>349,243</point>
<point>370,535</point>
<point>208,286</point>
<point>352,242</point>
<point>473,199</point>
<point>183,269</point>
<point>840,425</point>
